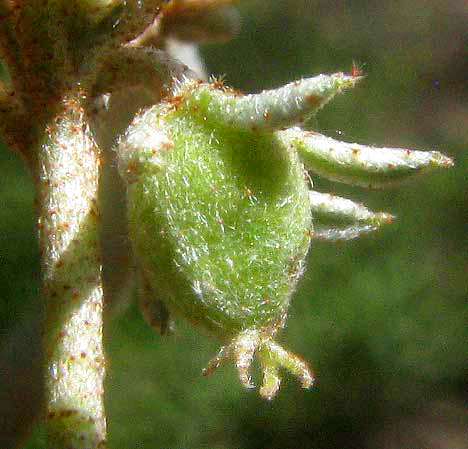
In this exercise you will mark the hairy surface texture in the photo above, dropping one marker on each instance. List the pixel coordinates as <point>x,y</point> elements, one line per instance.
<point>214,210</point>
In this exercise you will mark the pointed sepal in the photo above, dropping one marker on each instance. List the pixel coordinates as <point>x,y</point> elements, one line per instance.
<point>242,349</point>
<point>361,165</point>
<point>274,356</point>
<point>337,218</point>
<point>271,109</point>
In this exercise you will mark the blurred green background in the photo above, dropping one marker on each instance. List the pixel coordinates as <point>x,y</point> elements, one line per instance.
<point>382,320</point>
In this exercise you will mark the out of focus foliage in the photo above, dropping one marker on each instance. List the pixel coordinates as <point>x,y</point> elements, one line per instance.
<point>381,319</point>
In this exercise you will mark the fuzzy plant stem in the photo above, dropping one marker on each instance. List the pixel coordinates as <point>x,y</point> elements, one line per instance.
<point>72,291</point>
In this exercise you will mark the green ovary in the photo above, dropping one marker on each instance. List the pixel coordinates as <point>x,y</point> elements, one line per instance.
<point>223,229</point>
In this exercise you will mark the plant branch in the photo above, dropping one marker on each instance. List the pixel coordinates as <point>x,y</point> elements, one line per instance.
<point>72,291</point>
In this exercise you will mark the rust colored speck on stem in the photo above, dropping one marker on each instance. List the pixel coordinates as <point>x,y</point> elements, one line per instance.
<point>313,100</point>
<point>67,413</point>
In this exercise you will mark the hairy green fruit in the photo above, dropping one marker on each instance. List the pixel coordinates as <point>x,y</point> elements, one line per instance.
<point>219,218</point>
<point>222,223</point>
<point>221,210</point>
